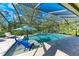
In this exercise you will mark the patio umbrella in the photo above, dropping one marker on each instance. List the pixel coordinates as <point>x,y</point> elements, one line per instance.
<point>26,28</point>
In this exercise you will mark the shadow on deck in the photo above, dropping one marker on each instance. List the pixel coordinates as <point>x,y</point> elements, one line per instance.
<point>69,46</point>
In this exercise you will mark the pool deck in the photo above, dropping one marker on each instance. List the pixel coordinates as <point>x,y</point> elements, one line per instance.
<point>47,50</point>
<point>69,46</point>
<point>5,45</point>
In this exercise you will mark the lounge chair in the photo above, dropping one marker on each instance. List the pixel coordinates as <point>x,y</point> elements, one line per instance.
<point>25,43</point>
<point>8,35</point>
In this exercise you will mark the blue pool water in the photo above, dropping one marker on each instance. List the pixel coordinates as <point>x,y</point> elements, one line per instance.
<point>56,36</point>
<point>47,37</point>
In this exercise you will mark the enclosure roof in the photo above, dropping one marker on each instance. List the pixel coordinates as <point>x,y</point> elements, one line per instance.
<point>54,8</point>
<point>8,10</point>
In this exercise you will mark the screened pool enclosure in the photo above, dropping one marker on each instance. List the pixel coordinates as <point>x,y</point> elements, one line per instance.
<point>39,15</point>
<point>38,23</point>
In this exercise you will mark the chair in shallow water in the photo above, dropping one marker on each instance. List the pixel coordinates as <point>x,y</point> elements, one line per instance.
<point>25,43</point>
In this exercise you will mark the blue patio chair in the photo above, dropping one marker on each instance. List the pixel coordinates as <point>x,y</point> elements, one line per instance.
<point>25,43</point>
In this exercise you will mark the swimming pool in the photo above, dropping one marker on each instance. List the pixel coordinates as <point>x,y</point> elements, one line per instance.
<point>47,37</point>
<point>15,49</point>
<point>54,37</point>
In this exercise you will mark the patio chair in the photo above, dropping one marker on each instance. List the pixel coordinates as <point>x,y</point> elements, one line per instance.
<point>25,43</point>
<point>8,35</point>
